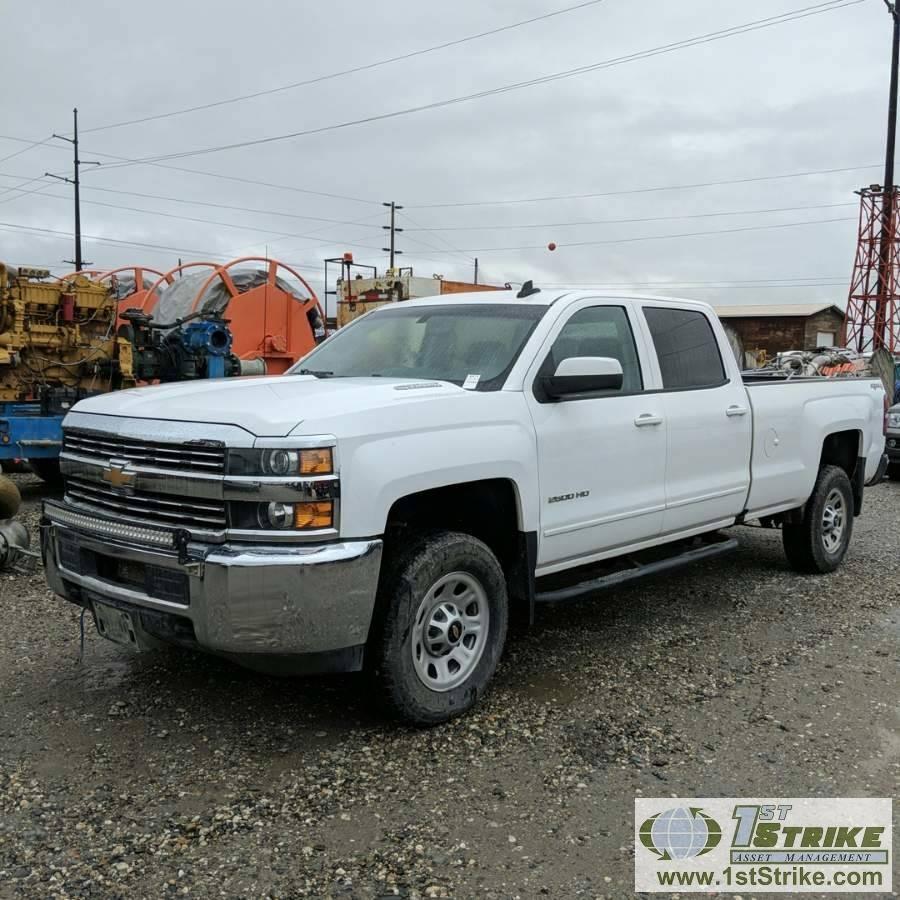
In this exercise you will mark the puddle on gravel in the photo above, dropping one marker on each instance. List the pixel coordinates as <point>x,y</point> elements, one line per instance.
<point>550,687</point>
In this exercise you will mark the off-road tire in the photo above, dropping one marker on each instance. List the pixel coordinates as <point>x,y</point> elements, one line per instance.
<point>805,542</point>
<point>893,471</point>
<point>408,575</point>
<point>48,471</point>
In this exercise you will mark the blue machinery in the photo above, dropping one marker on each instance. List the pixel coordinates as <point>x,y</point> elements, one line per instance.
<point>28,432</point>
<point>182,351</point>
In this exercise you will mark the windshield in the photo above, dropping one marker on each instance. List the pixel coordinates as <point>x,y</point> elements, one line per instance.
<point>469,345</point>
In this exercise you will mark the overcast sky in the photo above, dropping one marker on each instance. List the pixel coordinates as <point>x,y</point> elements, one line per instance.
<point>801,96</point>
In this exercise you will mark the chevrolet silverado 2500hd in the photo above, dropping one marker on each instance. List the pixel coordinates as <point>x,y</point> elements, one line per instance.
<point>436,466</point>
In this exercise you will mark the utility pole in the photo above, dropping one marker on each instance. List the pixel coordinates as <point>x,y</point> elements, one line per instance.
<point>873,302</point>
<point>888,223</point>
<point>78,262</point>
<point>476,270</point>
<point>394,230</point>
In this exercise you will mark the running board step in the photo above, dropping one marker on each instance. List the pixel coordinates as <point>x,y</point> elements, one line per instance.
<point>639,570</point>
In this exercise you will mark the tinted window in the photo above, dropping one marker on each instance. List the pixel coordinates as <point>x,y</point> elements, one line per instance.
<point>599,331</point>
<point>686,346</point>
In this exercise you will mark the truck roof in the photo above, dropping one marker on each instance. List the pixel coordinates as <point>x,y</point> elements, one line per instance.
<point>546,297</point>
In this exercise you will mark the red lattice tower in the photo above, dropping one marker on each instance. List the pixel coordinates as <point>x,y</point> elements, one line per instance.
<point>873,308</point>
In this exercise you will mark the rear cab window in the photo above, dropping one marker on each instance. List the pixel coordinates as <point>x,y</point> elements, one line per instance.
<point>686,347</point>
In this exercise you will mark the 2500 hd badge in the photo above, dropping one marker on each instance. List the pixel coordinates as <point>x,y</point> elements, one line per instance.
<point>560,498</point>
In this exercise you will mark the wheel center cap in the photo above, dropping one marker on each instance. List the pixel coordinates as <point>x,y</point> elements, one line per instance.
<point>454,632</point>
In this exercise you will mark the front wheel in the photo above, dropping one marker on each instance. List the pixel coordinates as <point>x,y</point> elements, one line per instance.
<point>818,543</point>
<point>444,612</point>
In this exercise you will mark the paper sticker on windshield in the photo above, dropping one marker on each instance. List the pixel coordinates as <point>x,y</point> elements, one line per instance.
<point>471,382</point>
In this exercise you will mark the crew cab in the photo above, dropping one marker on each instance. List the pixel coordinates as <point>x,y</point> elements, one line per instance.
<point>436,467</point>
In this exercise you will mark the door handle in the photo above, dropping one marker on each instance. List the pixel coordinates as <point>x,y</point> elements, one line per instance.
<point>736,411</point>
<point>647,419</point>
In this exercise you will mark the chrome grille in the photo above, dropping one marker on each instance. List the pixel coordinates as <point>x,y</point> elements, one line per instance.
<point>207,459</point>
<point>148,507</point>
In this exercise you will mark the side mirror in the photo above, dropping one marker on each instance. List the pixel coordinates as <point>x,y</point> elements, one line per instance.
<point>583,375</point>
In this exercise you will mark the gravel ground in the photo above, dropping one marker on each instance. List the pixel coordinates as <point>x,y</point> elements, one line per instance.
<point>172,774</point>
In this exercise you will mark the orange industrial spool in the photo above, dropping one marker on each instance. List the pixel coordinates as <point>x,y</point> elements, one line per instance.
<point>273,313</point>
<point>133,290</point>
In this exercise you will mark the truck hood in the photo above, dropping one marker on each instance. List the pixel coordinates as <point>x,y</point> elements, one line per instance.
<point>266,407</point>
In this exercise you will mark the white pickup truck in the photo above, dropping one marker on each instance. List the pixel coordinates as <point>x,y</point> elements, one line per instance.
<point>435,467</point>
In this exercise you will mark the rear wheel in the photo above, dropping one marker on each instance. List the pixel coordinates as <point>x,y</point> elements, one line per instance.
<point>443,624</point>
<point>819,542</point>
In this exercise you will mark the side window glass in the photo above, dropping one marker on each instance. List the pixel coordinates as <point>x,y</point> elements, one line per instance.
<point>599,331</point>
<point>686,347</point>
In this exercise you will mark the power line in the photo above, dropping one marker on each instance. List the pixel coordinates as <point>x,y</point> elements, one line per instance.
<point>709,37</point>
<point>445,205</point>
<point>151,212</point>
<point>31,146</point>
<point>690,283</point>
<point>723,283</point>
<point>246,209</point>
<point>656,237</point>
<point>452,247</point>
<point>22,193</point>
<point>235,178</point>
<point>317,234</point>
<point>710,287</point>
<point>167,215</point>
<point>708,215</point>
<point>355,69</point>
<point>646,190</point>
<point>52,232</point>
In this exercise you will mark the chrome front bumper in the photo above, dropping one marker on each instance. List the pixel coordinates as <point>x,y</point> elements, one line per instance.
<point>266,606</point>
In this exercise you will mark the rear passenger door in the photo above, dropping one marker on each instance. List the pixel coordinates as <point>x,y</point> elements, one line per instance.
<point>708,417</point>
<point>600,456</point>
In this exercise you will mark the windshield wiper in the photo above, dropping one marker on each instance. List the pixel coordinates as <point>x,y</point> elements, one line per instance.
<point>318,373</point>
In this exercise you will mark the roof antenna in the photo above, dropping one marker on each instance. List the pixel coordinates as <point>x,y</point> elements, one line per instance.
<point>527,290</point>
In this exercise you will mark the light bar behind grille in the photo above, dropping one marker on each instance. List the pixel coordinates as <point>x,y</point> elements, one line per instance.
<point>149,506</point>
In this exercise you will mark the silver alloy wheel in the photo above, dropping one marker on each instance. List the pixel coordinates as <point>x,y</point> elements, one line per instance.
<point>450,631</point>
<point>833,521</point>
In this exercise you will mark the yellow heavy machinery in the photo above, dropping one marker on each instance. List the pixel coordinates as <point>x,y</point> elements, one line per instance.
<point>57,338</point>
<point>65,339</point>
<point>57,344</point>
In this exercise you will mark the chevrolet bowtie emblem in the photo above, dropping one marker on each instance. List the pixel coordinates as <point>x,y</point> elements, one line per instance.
<point>118,477</point>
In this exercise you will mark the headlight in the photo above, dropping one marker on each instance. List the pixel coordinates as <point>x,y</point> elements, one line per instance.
<point>281,463</point>
<point>276,515</point>
<point>305,515</point>
<point>894,420</point>
<point>299,516</point>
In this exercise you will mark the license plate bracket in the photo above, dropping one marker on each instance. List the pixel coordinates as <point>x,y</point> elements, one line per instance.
<point>115,624</point>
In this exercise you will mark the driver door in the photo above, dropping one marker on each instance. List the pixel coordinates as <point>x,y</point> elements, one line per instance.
<point>601,457</point>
